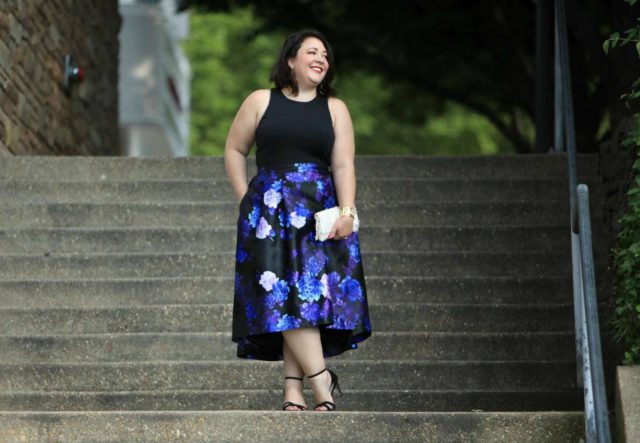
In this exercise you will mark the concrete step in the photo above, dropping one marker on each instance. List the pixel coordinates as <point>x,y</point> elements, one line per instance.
<point>122,168</point>
<point>397,263</point>
<point>367,189</point>
<point>274,426</point>
<point>441,346</point>
<point>40,293</point>
<point>370,375</point>
<point>206,215</point>
<point>432,317</point>
<point>116,282</point>
<point>263,399</point>
<point>223,239</point>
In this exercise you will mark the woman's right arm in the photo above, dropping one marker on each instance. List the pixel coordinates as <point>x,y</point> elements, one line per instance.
<point>239,141</point>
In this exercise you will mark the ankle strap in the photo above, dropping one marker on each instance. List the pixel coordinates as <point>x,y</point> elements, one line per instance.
<point>317,373</point>
<point>297,378</point>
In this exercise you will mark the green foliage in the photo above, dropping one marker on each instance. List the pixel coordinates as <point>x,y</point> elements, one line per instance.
<point>627,260</point>
<point>227,64</point>
<point>230,57</point>
<point>626,256</point>
<point>616,40</point>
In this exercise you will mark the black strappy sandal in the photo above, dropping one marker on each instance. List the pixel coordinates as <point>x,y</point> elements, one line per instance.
<point>290,403</point>
<point>334,384</point>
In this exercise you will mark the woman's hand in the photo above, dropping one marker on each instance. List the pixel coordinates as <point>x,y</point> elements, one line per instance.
<point>342,228</point>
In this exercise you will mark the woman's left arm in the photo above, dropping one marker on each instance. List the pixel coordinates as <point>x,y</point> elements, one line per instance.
<point>343,166</point>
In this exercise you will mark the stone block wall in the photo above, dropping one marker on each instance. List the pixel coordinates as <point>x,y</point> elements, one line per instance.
<point>37,117</point>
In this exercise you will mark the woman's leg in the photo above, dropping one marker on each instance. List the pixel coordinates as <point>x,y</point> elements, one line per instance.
<point>292,387</point>
<point>305,345</point>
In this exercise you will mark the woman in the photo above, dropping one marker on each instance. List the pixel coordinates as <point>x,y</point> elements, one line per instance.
<point>296,298</point>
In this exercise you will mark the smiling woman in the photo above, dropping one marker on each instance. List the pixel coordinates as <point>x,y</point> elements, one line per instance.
<point>297,299</point>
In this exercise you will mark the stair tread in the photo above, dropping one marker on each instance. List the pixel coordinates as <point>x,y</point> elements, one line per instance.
<point>109,229</point>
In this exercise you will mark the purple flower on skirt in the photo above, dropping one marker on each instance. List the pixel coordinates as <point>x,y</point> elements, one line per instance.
<point>272,319</point>
<point>298,220</point>
<point>351,289</point>
<point>250,312</point>
<point>281,291</point>
<point>272,299</point>
<point>310,311</point>
<point>302,211</point>
<point>342,322</point>
<point>314,264</point>
<point>305,167</point>
<point>272,198</point>
<point>268,279</point>
<point>244,229</point>
<point>241,254</point>
<point>293,277</point>
<point>326,307</point>
<point>333,284</point>
<point>284,220</point>
<point>309,288</point>
<point>330,202</point>
<point>354,252</point>
<point>253,216</point>
<point>264,228</point>
<point>288,322</point>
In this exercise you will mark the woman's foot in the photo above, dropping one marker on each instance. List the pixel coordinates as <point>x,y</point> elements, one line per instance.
<point>320,384</point>
<point>293,396</point>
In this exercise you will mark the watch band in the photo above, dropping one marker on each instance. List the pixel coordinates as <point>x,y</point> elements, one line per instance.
<point>348,210</point>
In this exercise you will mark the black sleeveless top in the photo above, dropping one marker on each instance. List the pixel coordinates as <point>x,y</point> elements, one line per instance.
<point>294,132</point>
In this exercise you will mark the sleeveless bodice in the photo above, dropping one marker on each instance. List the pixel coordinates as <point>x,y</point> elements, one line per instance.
<point>292,131</point>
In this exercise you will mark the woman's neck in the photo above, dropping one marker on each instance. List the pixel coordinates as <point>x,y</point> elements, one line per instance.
<point>303,94</point>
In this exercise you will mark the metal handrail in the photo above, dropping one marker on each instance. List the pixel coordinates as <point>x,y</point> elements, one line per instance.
<point>590,373</point>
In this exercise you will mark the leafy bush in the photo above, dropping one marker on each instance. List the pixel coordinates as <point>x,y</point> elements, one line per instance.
<point>627,250</point>
<point>627,261</point>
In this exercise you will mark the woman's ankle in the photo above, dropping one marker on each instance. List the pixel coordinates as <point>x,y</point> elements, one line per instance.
<point>320,386</point>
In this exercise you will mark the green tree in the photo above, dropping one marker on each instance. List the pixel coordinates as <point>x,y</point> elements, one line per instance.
<point>230,57</point>
<point>225,71</point>
<point>480,54</point>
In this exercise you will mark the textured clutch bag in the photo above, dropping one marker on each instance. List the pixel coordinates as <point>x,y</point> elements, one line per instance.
<point>325,220</point>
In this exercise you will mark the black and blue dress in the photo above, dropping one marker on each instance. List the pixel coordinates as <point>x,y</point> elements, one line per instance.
<point>284,278</point>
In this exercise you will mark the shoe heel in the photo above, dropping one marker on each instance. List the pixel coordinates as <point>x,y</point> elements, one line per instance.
<point>334,382</point>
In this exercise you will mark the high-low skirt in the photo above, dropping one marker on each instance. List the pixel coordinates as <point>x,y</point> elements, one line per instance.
<point>284,278</point>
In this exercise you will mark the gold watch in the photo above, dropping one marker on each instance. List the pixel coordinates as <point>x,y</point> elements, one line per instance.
<point>348,210</point>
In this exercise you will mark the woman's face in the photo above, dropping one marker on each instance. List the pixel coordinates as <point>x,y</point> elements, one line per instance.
<point>311,63</point>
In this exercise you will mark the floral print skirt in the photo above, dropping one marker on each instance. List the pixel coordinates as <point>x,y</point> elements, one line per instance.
<point>284,278</point>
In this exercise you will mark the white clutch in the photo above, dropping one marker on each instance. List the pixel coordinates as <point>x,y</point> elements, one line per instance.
<point>325,220</point>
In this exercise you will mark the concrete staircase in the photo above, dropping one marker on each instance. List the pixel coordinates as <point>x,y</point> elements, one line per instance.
<point>116,283</point>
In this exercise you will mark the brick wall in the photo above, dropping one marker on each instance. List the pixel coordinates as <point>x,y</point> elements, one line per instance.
<point>36,116</point>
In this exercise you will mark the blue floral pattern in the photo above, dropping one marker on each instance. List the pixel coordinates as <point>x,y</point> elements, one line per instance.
<point>284,278</point>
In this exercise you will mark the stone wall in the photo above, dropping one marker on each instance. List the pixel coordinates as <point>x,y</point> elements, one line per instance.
<point>37,117</point>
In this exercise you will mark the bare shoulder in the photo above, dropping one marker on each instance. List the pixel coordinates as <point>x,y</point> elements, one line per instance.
<point>258,101</point>
<point>257,97</point>
<point>337,103</point>
<point>338,109</point>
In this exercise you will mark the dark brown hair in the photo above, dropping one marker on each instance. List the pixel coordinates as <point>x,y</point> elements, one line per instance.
<point>281,73</point>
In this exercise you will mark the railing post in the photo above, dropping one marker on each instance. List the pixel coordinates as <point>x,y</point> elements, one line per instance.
<point>592,321</point>
<point>590,374</point>
<point>563,127</point>
<point>567,106</point>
